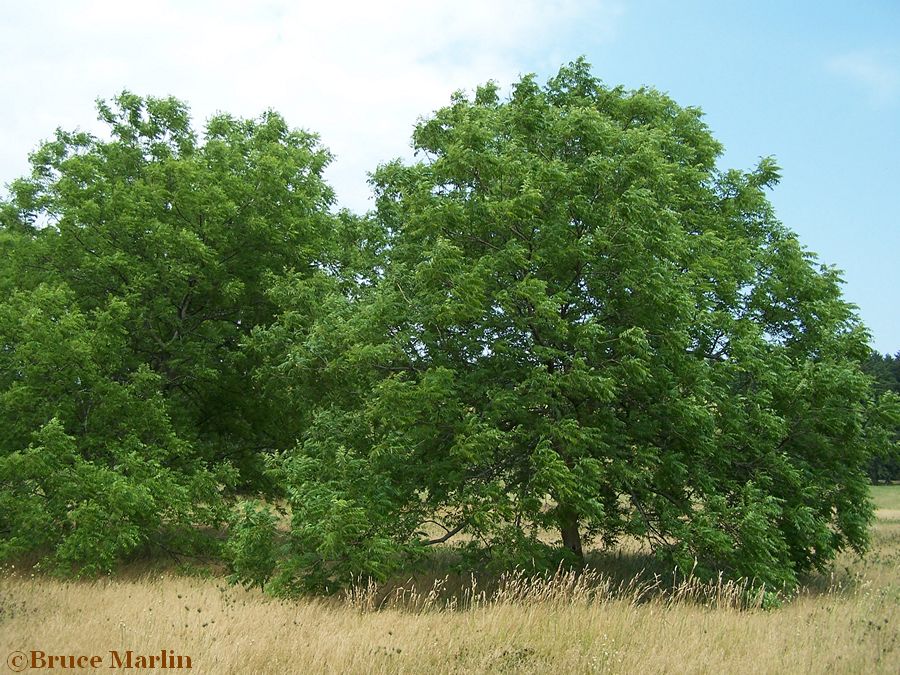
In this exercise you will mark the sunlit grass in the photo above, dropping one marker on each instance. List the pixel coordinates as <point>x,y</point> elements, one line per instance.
<point>844,622</point>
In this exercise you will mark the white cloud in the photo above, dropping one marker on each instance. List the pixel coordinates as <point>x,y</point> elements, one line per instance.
<point>358,73</point>
<point>877,72</point>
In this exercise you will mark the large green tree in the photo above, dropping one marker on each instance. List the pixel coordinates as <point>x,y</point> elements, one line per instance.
<point>135,267</point>
<point>578,322</point>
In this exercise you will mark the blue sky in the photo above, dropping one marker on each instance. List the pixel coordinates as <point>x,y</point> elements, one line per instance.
<point>816,84</point>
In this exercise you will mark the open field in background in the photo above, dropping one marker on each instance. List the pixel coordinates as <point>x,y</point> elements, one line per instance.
<point>887,499</point>
<point>845,623</point>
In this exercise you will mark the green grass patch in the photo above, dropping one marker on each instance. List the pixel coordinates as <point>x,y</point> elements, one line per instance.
<point>886,497</point>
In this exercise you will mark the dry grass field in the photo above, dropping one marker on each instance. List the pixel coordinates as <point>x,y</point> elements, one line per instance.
<point>847,623</point>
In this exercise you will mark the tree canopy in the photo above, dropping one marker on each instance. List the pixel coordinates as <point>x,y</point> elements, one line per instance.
<point>563,316</point>
<point>137,265</point>
<point>580,323</point>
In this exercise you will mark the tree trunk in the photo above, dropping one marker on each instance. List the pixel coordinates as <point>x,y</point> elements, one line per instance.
<point>568,528</point>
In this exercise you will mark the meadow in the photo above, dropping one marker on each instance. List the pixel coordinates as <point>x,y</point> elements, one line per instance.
<point>845,622</point>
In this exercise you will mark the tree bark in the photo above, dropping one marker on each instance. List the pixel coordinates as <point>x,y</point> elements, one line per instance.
<point>568,528</point>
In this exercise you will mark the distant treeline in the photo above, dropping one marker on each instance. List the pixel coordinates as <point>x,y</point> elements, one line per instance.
<point>885,468</point>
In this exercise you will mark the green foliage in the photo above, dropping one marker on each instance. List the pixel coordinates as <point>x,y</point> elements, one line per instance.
<point>884,466</point>
<point>92,468</point>
<point>186,236</point>
<point>251,549</point>
<point>577,321</point>
<point>135,269</point>
<point>565,316</point>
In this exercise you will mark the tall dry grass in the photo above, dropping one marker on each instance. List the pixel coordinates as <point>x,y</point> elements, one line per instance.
<point>843,623</point>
